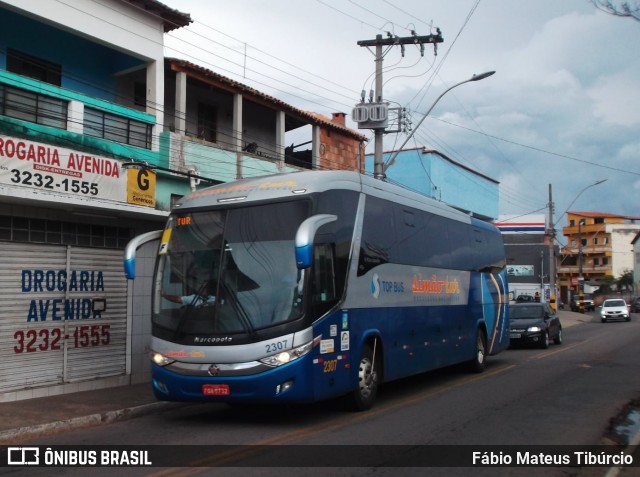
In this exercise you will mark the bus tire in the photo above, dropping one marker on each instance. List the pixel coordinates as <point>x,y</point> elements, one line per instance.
<point>477,364</point>
<point>364,395</point>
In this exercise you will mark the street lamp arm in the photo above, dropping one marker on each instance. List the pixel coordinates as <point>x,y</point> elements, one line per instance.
<point>395,154</point>
<point>577,196</point>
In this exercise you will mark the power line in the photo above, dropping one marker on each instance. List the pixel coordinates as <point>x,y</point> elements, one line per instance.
<point>551,153</point>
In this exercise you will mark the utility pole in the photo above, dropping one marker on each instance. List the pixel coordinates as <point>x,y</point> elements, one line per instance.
<point>374,115</point>
<point>580,277</point>
<point>552,250</point>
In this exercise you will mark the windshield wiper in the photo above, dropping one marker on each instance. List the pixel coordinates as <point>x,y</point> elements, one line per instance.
<point>189,306</point>
<point>240,311</point>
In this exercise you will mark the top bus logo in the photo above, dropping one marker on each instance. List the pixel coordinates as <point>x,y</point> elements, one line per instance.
<point>375,286</point>
<point>386,286</point>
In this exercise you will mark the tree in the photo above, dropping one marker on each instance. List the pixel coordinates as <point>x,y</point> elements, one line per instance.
<point>625,281</point>
<point>619,8</point>
<point>606,285</point>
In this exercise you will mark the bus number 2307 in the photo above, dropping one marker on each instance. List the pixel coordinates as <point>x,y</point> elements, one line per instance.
<point>275,347</point>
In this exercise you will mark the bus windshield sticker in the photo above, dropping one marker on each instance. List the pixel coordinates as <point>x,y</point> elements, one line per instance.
<point>164,242</point>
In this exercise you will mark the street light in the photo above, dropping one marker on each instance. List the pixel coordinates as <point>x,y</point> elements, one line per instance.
<point>380,169</point>
<point>580,223</point>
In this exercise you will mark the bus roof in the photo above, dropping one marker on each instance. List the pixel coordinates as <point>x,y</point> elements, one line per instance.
<point>296,184</point>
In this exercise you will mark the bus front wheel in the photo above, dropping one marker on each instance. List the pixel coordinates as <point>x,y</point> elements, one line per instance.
<point>479,360</point>
<point>368,379</point>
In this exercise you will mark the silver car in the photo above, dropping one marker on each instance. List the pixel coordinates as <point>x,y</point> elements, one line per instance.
<point>614,309</point>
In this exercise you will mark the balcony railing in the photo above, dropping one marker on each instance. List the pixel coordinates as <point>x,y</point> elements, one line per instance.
<point>575,269</point>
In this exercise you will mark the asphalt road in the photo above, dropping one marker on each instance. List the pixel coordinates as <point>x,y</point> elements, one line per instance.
<point>565,395</point>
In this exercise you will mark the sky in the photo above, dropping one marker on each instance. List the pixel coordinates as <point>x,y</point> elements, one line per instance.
<point>562,109</point>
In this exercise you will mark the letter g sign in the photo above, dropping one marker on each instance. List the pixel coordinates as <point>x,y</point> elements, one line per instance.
<point>143,179</point>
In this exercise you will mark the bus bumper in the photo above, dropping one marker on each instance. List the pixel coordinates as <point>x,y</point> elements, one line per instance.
<point>288,383</point>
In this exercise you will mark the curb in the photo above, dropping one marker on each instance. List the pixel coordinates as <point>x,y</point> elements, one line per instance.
<point>105,417</point>
<point>615,471</point>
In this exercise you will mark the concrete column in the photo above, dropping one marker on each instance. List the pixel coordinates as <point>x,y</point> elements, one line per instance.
<point>280,131</point>
<point>75,117</point>
<point>181,102</point>
<point>155,98</point>
<point>236,132</point>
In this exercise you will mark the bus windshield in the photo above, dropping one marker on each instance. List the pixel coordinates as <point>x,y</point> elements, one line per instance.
<point>229,271</point>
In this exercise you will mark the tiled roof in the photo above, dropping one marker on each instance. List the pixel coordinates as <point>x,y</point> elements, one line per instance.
<point>173,19</point>
<point>604,215</point>
<point>312,118</point>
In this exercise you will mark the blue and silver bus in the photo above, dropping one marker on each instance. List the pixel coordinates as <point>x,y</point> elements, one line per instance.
<point>312,285</point>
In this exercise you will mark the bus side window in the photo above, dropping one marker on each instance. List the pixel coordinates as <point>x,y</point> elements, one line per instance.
<point>323,283</point>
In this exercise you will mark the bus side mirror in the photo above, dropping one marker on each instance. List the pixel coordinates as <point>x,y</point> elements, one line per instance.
<point>130,251</point>
<point>305,235</point>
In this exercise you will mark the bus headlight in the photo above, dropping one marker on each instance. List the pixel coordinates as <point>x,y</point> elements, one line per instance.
<point>160,359</point>
<point>287,356</point>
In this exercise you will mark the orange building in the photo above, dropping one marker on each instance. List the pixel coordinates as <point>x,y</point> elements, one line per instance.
<point>598,246</point>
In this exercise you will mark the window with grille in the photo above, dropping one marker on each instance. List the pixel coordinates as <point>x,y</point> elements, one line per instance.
<point>116,128</point>
<point>32,67</point>
<point>33,107</point>
<point>24,229</point>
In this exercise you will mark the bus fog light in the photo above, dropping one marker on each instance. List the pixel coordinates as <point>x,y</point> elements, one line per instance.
<point>160,386</point>
<point>284,387</point>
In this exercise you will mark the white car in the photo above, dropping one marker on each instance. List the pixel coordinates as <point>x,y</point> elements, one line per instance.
<point>614,309</point>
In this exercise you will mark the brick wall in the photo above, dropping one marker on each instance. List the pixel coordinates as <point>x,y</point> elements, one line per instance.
<point>340,151</point>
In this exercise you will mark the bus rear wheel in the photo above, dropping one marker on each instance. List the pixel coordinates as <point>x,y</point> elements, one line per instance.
<point>365,393</point>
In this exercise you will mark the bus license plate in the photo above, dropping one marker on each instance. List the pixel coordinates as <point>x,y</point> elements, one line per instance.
<point>216,390</point>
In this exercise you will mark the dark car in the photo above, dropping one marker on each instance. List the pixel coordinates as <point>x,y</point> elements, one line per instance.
<point>525,299</point>
<point>587,302</point>
<point>635,305</point>
<point>534,324</point>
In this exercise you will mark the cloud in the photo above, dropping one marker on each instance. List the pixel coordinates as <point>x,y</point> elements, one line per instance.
<point>562,109</point>
<point>616,99</point>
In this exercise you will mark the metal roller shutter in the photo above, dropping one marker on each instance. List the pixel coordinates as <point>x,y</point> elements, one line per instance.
<point>49,332</point>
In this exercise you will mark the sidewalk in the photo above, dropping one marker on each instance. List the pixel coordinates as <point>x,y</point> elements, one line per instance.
<point>27,419</point>
<point>31,418</point>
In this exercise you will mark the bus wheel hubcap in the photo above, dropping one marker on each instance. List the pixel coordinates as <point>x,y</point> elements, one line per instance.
<point>366,377</point>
